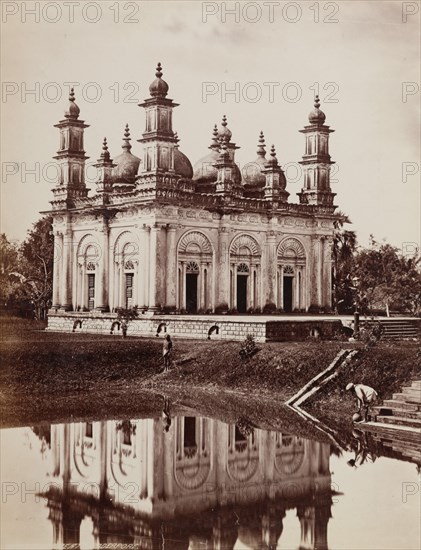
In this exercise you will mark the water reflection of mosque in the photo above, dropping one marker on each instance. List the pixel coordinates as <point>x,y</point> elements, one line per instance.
<point>202,484</point>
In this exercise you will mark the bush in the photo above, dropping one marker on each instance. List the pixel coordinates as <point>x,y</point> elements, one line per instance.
<point>270,308</point>
<point>248,347</point>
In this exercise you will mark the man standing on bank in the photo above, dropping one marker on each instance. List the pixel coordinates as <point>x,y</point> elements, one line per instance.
<point>365,395</point>
<point>166,352</point>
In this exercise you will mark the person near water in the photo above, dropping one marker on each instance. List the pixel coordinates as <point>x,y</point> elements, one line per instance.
<point>366,396</point>
<point>166,352</point>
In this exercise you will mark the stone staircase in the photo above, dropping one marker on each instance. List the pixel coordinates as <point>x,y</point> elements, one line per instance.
<point>397,424</point>
<point>404,409</point>
<point>395,329</point>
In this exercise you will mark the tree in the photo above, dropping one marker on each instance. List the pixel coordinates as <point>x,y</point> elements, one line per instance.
<point>9,271</point>
<point>386,279</point>
<point>36,266</point>
<point>344,246</point>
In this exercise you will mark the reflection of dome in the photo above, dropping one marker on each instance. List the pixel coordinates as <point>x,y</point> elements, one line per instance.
<point>317,116</point>
<point>127,164</point>
<point>252,175</point>
<point>158,88</point>
<point>73,110</point>
<point>182,165</point>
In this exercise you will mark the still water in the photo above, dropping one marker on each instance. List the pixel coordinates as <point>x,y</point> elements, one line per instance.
<point>189,482</point>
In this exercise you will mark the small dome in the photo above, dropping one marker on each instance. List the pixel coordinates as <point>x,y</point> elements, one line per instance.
<point>182,165</point>
<point>252,171</point>
<point>224,132</point>
<point>158,88</point>
<point>73,110</point>
<point>205,172</point>
<point>127,163</point>
<point>317,116</point>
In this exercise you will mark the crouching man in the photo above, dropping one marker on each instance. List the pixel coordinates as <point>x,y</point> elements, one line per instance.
<point>366,397</point>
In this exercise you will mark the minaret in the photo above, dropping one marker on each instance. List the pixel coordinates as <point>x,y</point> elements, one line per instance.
<point>158,139</point>
<point>225,165</point>
<point>71,155</point>
<point>274,189</point>
<point>105,168</point>
<point>316,160</point>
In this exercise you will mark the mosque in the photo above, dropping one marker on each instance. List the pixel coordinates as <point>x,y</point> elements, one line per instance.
<point>167,236</point>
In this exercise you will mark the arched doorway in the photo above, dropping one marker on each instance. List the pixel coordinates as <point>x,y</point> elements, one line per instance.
<point>291,275</point>
<point>245,258</point>
<point>195,264</point>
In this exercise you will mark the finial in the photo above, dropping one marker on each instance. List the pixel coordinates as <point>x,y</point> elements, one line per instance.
<point>158,73</point>
<point>273,161</point>
<point>126,139</point>
<point>176,139</point>
<point>215,143</point>
<point>317,102</point>
<point>72,110</point>
<point>261,151</point>
<point>105,153</point>
<point>224,121</point>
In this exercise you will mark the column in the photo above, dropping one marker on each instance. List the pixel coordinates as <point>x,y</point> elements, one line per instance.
<point>66,279</point>
<point>327,277</point>
<point>320,272</point>
<point>297,288</point>
<point>122,290</point>
<point>136,284</point>
<point>271,266</point>
<point>234,285</point>
<point>58,252</point>
<point>222,265</point>
<point>281,286</point>
<point>153,241</point>
<point>183,285</point>
<point>202,285</point>
<point>143,296</point>
<point>306,516</point>
<point>102,298</point>
<point>252,271</point>
<point>171,267</point>
<point>116,295</point>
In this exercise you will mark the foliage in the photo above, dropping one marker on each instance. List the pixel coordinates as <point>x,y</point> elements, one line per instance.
<point>221,308</point>
<point>269,308</point>
<point>36,266</point>
<point>127,314</point>
<point>370,334</point>
<point>344,247</point>
<point>248,347</point>
<point>9,267</point>
<point>388,279</point>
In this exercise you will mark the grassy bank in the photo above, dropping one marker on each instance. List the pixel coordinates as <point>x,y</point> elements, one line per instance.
<point>386,367</point>
<point>53,377</point>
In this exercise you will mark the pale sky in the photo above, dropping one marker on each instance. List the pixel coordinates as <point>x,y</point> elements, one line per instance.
<point>361,56</point>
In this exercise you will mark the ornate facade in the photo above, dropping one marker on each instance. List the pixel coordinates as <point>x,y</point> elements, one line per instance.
<point>159,233</point>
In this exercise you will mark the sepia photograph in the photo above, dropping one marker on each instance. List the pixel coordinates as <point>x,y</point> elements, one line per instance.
<point>210,275</point>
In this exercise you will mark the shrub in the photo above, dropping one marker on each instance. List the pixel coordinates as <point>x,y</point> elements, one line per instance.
<point>222,308</point>
<point>270,308</point>
<point>248,347</point>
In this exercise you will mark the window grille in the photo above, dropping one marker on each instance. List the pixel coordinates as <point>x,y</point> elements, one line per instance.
<point>192,267</point>
<point>243,268</point>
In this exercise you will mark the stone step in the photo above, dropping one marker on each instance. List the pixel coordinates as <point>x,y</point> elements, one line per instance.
<point>416,384</point>
<point>396,434</point>
<point>400,421</point>
<point>403,447</point>
<point>414,400</point>
<point>411,389</point>
<point>402,404</point>
<point>394,411</point>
